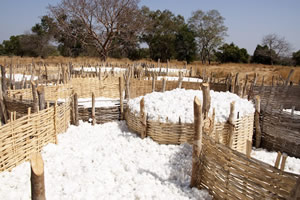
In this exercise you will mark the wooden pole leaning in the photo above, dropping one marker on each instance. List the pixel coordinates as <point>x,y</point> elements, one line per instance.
<point>37,177</point>
<point>164,84</point>
<point>197,145</point>
<point>121,98</point>
<point>93,110</point>
<point>41,97</point>
<point>256,121</point>
<point>76,109</point>
<point>232,124</point>
<point>143,118</point>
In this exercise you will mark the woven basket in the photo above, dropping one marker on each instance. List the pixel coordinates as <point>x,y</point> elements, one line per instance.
<point>170,133</point>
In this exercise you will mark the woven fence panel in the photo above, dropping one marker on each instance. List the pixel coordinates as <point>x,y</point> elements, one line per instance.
<point>170,133</point>
<point>228,174</point>
<point>102,115</point>
<point>281,132</point>
<point>28,134</point>
<point>24,136</point>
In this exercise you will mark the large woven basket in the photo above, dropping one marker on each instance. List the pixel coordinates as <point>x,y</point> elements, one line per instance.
<point>170,133</point>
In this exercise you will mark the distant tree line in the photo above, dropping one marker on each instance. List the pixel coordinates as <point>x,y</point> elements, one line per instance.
<point>119,28</point>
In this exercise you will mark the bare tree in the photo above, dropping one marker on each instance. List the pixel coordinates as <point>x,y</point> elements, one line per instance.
<point>97,23</point>
<point>278,46</point>
<point>210,31</point>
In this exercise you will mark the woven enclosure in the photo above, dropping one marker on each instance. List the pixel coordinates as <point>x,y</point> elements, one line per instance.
<point>84,87</point>
<point>275,97</point>
<point>170,133</point>
<point>102,115</point>
<point>228,174</point>
<point>281,132</point>
<point>143,87</point>
<point>21,137</point>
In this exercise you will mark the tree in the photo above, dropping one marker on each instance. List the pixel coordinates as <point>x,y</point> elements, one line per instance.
<point>296,57</point>
<point>38,42</point>
<point>160,33</point>
<point>12,46</point>
<point>278,46</point>
<point>261,55</point>
<point>102,21</point>
<point>210,31</point>
<point>185,44</point>
<point>232,53</point>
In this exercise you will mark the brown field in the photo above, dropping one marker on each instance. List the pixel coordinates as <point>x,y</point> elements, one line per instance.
<point>219,70</point>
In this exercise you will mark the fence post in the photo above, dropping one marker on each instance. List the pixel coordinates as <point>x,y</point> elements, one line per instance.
<point>197,145</point>
<point>206,99</point>
<point>289,77</point>
<point>34,97</point>
<point>153,82</point>
<point>37,177</point>
<point>164,84</point>
<point>143,118</point>
<point>256,121</point>
<point>180,80</point>
<point>76,109</point>
<point>121,97</point>
<point>41,95</point>
<point>93,109</point>
<point>295,193</point>
<point>231,123</point>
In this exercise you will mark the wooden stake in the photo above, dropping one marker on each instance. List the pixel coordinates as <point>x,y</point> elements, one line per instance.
<point>256,121</point>
<point>3,80</point>
<point>197,145</point>
<point>143,118</point>
<point>121,97</point>
<point>289,77</point>
<point>231,123</point>
<point>41,95</point>
<point>295,193</point>
<point>164,84</point>
<point>37,177</point>
<point>206,99</point>
<point>277,160</point>
<point>34,97</point>
<point>284,157</point>
<point>180,80</point>
<point>248,148</point>
<point>93,109</point>
<point>76,109</point>
<point>153,83</point>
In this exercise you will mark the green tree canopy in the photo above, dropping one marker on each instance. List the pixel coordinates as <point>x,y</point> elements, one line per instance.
<point>210,32</point>
<point>232,53</point>
<point>185,44</point>
<point>296,57</point>
<point>160,33</point>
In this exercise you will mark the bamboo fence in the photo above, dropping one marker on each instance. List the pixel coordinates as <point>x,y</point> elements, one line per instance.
<point>170,133</point>
<point>21,137</point>
<point>102,114</point>
<point>228,174</point>
<point>281,132</point>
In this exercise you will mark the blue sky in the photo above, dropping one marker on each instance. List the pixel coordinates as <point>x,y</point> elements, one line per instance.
<point>247,20</point>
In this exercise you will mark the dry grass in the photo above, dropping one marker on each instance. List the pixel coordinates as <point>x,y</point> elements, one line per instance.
<point>220,70</point>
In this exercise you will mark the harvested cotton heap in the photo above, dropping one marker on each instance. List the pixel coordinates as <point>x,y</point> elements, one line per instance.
<point>99,102</point>
<point>19,77</point>
<point>292,164</point>
<point>170,105</point>
<point>103,69</point>
<point>107,162</point>
<point>169,70</point>
<point>186,79</point>
<point>296,112</point>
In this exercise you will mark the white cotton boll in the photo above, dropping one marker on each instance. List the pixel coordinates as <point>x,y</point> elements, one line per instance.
<point>179,103</point>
